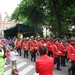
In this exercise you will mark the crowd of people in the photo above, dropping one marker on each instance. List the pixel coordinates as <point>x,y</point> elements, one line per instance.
<point>59,51</point>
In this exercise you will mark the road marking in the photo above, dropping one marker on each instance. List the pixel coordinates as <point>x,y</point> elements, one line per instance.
<point>36,74</point>
<point>26,70</point>
<point>19,60</point>
<point>18,66</point>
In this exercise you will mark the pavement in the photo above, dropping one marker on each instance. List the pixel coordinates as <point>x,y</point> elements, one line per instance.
<point>27,67</point>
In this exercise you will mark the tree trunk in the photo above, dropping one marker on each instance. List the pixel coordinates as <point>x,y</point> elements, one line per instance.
<point>58,23</point>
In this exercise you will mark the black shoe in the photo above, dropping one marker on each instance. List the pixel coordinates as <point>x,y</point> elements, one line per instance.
<point>59,69</point>
<point>64,65</point>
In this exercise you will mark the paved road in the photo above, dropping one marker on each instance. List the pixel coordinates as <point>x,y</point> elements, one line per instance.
<point>26,67</point>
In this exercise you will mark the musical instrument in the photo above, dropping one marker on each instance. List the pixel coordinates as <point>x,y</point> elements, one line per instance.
<point>26,47</point>
<point>20,35</point>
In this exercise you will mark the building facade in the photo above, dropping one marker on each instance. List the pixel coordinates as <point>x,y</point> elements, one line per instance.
<point>5,23</point>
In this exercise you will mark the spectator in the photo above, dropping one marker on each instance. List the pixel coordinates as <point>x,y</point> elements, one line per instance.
<point>45,64</point>
<point>8,57</point>
<point>2,61</point>
<point>14,72</point>
<point>13,54</point>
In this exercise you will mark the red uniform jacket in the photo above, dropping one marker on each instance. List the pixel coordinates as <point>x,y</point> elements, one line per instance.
<point>43,42</point>
<point>52,42</point>
<point>55,50</point>
<point>71,52</point>
<point>35,42</point>
<point>18,44</point>
<point>24,45</point>
<point>32,46</point>
<point>63,50</point>
<point>39,44</point>
<point>49,46</point>
<point>45,65</point>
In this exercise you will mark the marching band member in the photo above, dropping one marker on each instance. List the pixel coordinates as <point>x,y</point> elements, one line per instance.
<point>25,47</point>
<point>36,43</point>
<point>52,41</point>
<point>18,46</point>
<point>39,44</point>
<point>56,53</point>
<point>32,49</point>
<point>71,55</point>
<point>43,41</point>
<point>63,49</point>
<point>49,47</point>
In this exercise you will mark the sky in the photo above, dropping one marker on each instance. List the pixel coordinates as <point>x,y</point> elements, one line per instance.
<point>8,6</point>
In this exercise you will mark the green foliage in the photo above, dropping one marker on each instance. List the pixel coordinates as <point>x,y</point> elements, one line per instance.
<point>28,13</point>
<point>46,12</point>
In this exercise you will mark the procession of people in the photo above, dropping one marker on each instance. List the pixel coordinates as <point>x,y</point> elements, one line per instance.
<point>59,50</point>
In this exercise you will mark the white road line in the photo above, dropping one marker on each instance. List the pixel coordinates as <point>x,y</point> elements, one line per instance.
<point>36,74</point>
<point>18,66</point>
<point>19,60</point>
<point>26,70</point>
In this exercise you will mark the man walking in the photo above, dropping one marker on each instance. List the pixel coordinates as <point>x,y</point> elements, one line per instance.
<point>45,64</point>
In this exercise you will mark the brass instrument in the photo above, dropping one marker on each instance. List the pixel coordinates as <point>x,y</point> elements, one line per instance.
<point>34,48</point>
<point>19,44</point>
<point>20,35</point>
<point>26,47</point>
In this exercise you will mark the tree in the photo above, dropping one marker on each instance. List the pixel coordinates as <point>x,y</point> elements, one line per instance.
<point>45,12</point>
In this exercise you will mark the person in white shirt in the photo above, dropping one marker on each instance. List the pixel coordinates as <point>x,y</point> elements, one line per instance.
<point>13,54</point>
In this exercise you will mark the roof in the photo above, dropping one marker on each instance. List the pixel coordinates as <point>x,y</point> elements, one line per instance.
<point>22,27</point>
